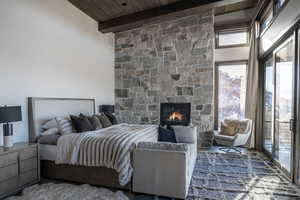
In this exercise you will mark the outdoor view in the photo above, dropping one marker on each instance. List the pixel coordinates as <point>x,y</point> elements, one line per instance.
<point>268,105</point>
<point>278,105</point>
<point>232,91</point>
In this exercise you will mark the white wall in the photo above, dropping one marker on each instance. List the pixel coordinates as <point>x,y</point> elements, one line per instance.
<point>49,48</point>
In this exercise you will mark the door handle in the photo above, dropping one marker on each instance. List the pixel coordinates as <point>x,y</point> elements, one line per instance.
<point>291,124</point>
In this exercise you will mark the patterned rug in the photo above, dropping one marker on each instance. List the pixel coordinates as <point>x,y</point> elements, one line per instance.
<point>237,176</point>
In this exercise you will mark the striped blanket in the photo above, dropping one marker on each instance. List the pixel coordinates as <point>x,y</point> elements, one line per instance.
<point>110,147</point>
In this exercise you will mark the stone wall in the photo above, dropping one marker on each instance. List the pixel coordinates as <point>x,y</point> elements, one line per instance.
<point>167,62</point>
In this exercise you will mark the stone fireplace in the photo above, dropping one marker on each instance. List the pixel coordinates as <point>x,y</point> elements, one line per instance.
<point>171,62</point>
<point>175,114</point>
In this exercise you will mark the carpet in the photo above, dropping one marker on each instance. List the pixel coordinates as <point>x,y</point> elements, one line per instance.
<point>62,191</point>
<point>239,177</point>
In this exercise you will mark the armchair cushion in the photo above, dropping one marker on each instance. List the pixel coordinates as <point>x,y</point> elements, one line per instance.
<point>225,137</point>
<point>240,126</point>
<point>227,130</point>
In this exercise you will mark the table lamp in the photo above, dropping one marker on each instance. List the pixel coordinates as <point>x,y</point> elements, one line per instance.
<point>9,114</point>
<point>107,108</point>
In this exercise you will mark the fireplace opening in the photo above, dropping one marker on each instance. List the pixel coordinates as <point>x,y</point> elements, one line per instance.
<point>175,114</point>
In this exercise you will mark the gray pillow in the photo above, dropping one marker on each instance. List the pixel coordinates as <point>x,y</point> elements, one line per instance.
<point>185,134</point>
<point>48,139</point>
<point>64,125</point>
<point>104,120</point>
<point>94,120</point>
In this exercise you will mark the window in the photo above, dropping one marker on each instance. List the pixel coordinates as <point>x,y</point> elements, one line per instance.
<point>271,11</point>
<point>230,91</point>
<point>266,19</point>
<point>278,5</point>
<point>232,38</point>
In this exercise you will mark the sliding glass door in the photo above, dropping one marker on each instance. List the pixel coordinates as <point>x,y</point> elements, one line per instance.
<point>268,105</point>
<point>279,92</point>
<point>284,109</point>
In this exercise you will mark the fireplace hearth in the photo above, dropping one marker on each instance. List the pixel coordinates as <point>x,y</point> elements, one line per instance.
<point>175,114</point>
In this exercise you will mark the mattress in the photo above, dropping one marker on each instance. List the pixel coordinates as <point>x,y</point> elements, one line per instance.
<point>47,152</point>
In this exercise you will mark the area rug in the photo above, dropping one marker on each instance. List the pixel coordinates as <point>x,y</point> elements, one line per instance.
<point>62,191</point>
<point>240,177</point>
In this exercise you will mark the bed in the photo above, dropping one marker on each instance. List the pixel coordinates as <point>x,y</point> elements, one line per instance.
<point>43,109</point>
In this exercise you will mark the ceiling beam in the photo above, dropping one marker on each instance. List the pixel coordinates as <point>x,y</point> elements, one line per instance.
<point>167,12</point>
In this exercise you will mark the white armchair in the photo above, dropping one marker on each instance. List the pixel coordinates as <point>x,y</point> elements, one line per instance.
<point>231,142</point>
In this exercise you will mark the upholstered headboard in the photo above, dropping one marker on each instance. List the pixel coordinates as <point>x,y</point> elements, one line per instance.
<point>41,110</point>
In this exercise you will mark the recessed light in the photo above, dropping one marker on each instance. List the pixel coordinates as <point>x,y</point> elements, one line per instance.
<point>124,4</point>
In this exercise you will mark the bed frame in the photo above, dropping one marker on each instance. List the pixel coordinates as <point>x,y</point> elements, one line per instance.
<point>41,110</point>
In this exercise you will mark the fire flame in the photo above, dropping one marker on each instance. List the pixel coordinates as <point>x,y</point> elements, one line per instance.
<point>176,116</point>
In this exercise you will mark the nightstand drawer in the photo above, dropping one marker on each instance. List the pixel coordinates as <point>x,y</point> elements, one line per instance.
<point>8,186</point>
<point>8,172</point>
<point>8,159</point>
<point>28,177</point>
<point>29,164</point>
<point>28,153</point>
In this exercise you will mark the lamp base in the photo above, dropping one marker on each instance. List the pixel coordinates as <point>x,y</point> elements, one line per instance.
<point>8,141</point>
<point>8,135</point>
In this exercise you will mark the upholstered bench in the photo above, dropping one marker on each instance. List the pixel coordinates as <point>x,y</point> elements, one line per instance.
<point>166,169</point>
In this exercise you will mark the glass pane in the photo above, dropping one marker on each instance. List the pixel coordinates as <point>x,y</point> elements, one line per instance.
<point>268,106</point>
<point>278,5</point>
<point>232,91</point>
<point>283,109</point>
<point>266,20</point>
<point>233,38</point>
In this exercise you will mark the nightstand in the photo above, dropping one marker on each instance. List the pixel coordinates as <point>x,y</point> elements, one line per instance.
<point>19,168</point>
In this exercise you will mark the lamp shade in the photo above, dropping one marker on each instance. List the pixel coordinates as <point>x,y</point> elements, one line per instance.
<point>107,108</point>
<point>10,114</point>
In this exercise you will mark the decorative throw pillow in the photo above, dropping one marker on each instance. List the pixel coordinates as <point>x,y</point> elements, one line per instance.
<point>49,139</point>
<point>64,125</point>
<point>94,121</point>
<point>50,131</point>
<point>240,126</point>
<point>50,124</point>
<point>166,135</point>
<point>81,123</point>
<point>112,118</point>
<point>185,134</point>
<point>227,130</point>
<point>104,120</point>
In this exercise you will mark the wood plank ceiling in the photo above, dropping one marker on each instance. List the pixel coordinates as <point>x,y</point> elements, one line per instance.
<point>120,15</point>
<point>104,10</point>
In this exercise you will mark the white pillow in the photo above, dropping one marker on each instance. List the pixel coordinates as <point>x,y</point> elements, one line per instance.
<point>185,134</point>
<point>64,125</point>
<point>50,124</point>
<point>50,131</point>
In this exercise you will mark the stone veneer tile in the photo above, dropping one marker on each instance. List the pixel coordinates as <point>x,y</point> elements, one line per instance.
<point>170,61</point>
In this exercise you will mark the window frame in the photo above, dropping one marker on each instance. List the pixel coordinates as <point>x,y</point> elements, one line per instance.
<point>270,7</point>
<point>216,90</point>
<point>231,30</point>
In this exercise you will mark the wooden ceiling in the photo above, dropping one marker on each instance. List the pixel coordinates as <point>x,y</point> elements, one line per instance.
<point>120,15</point>
<point>103,10</point>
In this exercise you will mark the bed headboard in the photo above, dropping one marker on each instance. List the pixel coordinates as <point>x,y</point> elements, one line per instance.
<point>41,110</point>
